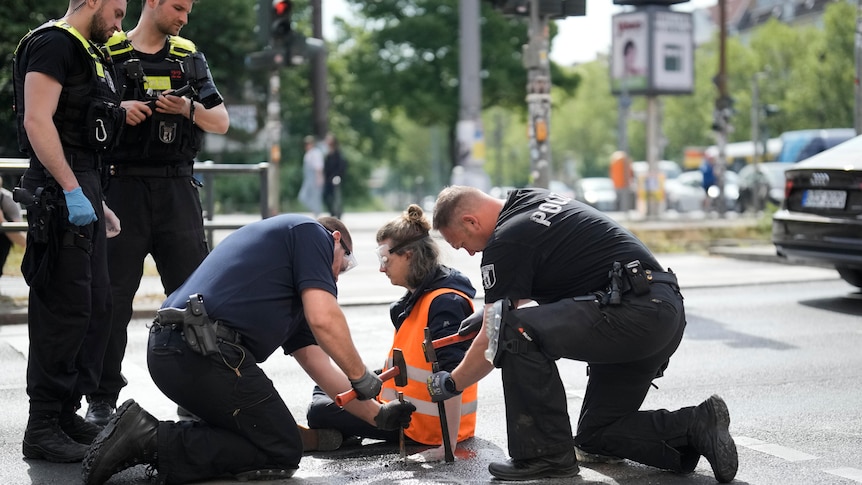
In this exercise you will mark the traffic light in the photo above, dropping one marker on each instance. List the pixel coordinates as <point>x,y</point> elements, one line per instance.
<point>281,20</point>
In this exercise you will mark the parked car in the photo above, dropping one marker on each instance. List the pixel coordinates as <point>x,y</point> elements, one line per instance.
<point>669,168</point>
<point>685,193</point>
<point>801,144</point>
<point>598,192</point>
<point>759,184</point>
<point>821,217</point>
<point>560,188</point>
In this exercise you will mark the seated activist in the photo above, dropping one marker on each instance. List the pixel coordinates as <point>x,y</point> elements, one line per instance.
<point>437,297</point>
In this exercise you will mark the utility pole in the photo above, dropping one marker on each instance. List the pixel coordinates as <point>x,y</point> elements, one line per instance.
<point>273,130</point>
<point>538,96</point>
<point>723,107</point>
<point>470,146</point>
<point>319,92</point>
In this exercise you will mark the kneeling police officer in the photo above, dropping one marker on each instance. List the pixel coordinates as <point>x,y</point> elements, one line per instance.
<point>603,299</point>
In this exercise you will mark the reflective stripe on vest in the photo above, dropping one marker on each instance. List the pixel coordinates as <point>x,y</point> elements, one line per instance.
<point>425,422</point>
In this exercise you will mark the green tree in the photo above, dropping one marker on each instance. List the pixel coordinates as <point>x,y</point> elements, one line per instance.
<point>16,19</point>
<point>412,50</point>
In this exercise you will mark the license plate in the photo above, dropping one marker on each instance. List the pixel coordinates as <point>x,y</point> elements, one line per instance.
<point>824,199</point>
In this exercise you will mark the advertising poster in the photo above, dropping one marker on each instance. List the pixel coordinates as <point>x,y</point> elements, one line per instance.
<point>630,48</point>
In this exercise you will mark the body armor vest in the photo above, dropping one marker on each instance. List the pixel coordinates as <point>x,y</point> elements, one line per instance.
<point>161,139</point>
<point>89,117</point>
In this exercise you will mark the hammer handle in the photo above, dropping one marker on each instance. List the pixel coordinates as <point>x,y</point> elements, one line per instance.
<point>347,396</point>
<point>453,339</point>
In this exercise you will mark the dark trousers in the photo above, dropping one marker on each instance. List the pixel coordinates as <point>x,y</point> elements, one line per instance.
<point>245,423</point>
<point>159,216</point>
<point>67,316</point>
<point>625,346</point>
<point>324,413</point>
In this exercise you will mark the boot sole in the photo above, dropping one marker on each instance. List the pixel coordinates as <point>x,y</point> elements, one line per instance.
<point>319,439</point>
<point>726,460</point>
<point>94,452</point>
<point>36,452</point>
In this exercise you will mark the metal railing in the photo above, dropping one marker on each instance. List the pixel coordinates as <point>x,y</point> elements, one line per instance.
<point>208,170</point>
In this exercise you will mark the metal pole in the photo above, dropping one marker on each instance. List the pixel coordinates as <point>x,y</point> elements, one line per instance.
<point>723,107</point>
<point>469,169</point>
<point>538,96</point>
<point>652,182</point>
<point>318,75</point>
<point>273,127</point>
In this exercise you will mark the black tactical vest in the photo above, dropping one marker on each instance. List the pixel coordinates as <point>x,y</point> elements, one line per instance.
<point>89,117</point>
<point>161,139</point>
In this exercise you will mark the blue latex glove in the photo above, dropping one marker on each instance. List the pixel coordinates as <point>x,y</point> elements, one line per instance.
<point>441,386</point>
<point>81,210</point>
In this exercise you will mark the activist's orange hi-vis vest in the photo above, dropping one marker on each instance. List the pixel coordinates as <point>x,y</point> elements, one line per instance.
<point>425,422</point>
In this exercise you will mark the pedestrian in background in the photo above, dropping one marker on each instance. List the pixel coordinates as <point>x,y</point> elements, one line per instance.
<point>68,113</point>
<point>151,186</point>
<point>311,192</point>
<point>334,168</point>
<point>268,285</point>
<point>437,297</point>
<point>600,297</point>
<point>10,211</point>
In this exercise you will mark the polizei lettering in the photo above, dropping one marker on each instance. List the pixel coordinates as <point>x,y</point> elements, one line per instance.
<point>552,205</point>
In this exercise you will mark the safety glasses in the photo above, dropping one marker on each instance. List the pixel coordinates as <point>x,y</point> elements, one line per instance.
<point>349,258</point>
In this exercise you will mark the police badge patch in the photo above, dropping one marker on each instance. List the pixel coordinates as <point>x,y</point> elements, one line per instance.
<point>489,276</point>
<point>167,131</point>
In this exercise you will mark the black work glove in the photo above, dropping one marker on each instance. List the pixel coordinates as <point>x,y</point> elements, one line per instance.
<point>441,386</point>
<point>367,387</point>
<point>473,323</point>
<point>394,415</point>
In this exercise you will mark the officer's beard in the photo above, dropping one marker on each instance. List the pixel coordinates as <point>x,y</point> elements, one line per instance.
<point>100,31</point>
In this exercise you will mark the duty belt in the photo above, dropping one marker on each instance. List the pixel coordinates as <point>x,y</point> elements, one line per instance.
<point>222,331</point>
<point>81,161</point>
<point>164,171</point>
<point>667,277</point>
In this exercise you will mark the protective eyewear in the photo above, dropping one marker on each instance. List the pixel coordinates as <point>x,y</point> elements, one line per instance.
<point>383,254</point>
<point>348,257</point>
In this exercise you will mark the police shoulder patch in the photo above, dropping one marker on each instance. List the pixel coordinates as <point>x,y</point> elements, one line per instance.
<point>489,276</point>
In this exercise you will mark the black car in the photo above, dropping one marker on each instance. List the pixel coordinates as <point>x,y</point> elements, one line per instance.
<point>821,217</point>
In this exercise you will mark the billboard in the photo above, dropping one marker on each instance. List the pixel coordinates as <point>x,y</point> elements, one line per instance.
<point>652,52</point>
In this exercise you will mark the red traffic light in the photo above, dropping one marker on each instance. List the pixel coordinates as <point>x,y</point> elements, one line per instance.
<point>281,8</point>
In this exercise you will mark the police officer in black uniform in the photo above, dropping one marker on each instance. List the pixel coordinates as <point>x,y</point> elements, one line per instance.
<point>151,187</point>
<point>68,113</point>
<point>604,299</point>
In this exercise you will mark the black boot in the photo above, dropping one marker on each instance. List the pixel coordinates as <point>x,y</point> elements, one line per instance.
<point>710,436</point>
<point>129,439</point>
<point>45,440</point>
<point>560,465</point>
<point>78,429</point>
<point>99,412</point>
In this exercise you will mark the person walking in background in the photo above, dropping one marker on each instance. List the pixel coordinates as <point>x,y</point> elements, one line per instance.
<point>334,168</point>
<point>268,286</point>
<point>10,211</point>
<point>311,192</point>
<point>67,108</point>
<point>437,297</point>
<point>707,170</point>
<point>151,187</point>
<point>600,297</point>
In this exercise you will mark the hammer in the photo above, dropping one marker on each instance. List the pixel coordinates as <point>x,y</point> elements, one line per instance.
<point>398,371</point>
<point>431,356</point>
<point>452,339</point>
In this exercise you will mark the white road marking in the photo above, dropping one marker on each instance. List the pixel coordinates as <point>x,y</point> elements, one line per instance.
<point>854,474</point>
<point>779,451</point>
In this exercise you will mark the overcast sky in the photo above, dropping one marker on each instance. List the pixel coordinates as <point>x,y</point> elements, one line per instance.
<point>579,38</point>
